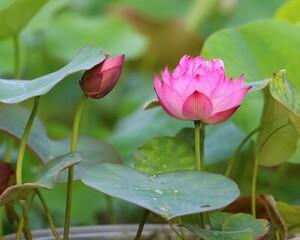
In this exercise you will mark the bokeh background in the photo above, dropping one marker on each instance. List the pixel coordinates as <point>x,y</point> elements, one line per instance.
<point>152,34</point>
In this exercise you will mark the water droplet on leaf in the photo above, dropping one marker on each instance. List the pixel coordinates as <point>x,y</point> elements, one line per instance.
<point>158,191</point>
<point>164,209</point>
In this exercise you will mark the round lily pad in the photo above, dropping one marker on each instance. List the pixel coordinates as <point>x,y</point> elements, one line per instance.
<point>169,195</point>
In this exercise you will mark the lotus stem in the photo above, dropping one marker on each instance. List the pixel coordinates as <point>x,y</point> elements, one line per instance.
<point>24,140</point>
<point>199,145</point>
<point>256,166</point>
<point>49,217</point>
<point>74,141</point>
<point>253,188</point>
<point>179,233</point>
<point>21,221</point>
<point>10,142</point>
<point>202,140</point>
<point>27,230</point>
<point>181,229</point>
<point>237,152</point>
<point>1,221</point>
<point>23,225</point>
<point>20,228</point>
<point>110,209</point>
<point>199,162</point>
<point>141,225</point>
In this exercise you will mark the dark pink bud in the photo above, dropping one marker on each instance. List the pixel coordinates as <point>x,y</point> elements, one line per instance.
<point>101,79</point>
<point>6,172</point>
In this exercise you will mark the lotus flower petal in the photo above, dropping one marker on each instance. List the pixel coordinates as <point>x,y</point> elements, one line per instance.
<point>230,100</point>
<point>221,116</point>
<point>197,107</point>
<point>169,99</point>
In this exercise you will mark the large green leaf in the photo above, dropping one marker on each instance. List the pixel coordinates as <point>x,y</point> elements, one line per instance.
<point>7,57</point>
<point>71,31</point>
<point>256,50</point>
<point>253,50</point>
<point>283,92</point>
<point>249,10</point>
<point>258,85</point>
<point>289,11</point>
<point>13,91</point>
<point>290,214</point>
<point>217,219</point>
<point>13,120</point>
<point>242,221</point>
<point>296,157</point>
<point>169,195</point>
<point>47,178</point>
<point>294,118</point>
<point>164,154</point>
<point>277,141</point>
<point>15,15</point>
<point>227,226</point>
<point>215,148</point>
<point>246,234</point>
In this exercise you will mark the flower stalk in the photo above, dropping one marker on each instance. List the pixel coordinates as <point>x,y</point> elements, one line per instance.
<point>200,166</point>
<point>19,168</point>
<point>27,230</point>
<point>24,140</point>
<point>1,221</point>
<point>110,209</point>
<point>141,225</point>
<point>47,212</point>
<point>199,163</point>
<point>253,187</point>
<point>237,152</point>
<point>20,228</point>
<point>256,167</point>
<point>74,141</point>
<point>23,223</point>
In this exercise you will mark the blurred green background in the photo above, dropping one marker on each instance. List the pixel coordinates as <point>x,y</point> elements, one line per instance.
<point>152,34</point>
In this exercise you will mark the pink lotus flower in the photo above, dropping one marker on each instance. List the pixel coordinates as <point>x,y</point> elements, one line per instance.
<point>100,80</point>
<point>199,90</point>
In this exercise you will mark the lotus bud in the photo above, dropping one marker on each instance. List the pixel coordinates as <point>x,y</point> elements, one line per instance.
<point>6,172</point>
<point>101,79</point>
